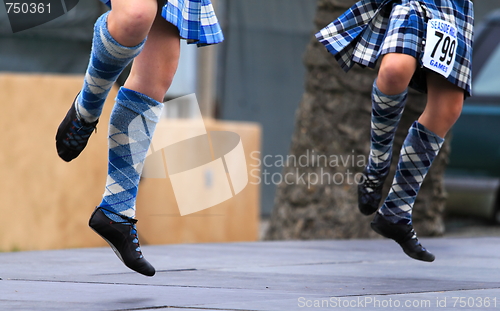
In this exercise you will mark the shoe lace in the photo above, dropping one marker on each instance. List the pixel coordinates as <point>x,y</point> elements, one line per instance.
<point>79,132</point>
<point>133,229</point>
<point>412,235</point>
<point>371,183</point>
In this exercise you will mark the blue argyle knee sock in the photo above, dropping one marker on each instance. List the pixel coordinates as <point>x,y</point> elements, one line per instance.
<point>132,124</point>
<point>107,60</point>
<point>420,148</point>
<point>386,114</point>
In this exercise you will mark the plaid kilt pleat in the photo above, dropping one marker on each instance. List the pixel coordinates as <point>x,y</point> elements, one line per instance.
<point>195,19</point>
<point>371,28</point>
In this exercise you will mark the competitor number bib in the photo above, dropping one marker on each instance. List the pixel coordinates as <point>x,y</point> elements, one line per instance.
<point>441,47</point>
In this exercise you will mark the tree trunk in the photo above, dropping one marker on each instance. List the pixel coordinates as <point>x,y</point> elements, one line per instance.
<point>317,198</point>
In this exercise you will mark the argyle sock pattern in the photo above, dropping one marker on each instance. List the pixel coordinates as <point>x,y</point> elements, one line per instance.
<point>107,60</point>
<point>132,124</point>
<point>386,114</point>
<point>420,148</point>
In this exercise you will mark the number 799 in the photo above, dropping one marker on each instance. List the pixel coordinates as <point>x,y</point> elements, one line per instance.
<point>447,49</point>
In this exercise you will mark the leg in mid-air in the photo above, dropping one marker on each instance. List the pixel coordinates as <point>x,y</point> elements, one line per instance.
<point>133,120</point>
<point>388,100</point>
<point>119,36</point>
<point>148,32</point>
<point>421,146</point>
<point>131,30</point>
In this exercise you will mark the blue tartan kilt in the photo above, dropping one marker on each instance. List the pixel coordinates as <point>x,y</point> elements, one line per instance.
<point>372,28</point>
<point>195,19</point>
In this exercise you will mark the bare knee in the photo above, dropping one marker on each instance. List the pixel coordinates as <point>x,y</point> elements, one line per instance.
<point>440,117</point>
<point>130,22</point>
<point>395,73</point>
<point>393,79</point>
<point>444,105</point>
<point>452,112</point>
<point>160,87</point>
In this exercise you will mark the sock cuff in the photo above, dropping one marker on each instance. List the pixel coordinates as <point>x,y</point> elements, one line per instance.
<point>139,103</point>
<point>398,98</point>
<point>113,47</point>
<point>429,139</point>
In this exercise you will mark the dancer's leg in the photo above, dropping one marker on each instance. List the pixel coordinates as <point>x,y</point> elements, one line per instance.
<point>119,36</point>
<point>150,78</point>
<point>421,146</point>
<point>132,124</point>
<point>388,100</point>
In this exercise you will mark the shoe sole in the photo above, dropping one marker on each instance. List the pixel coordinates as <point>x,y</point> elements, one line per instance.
<point>409,254</point>
<point>367,211</point>
<point>112,246</point>
<point>137,269</point>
